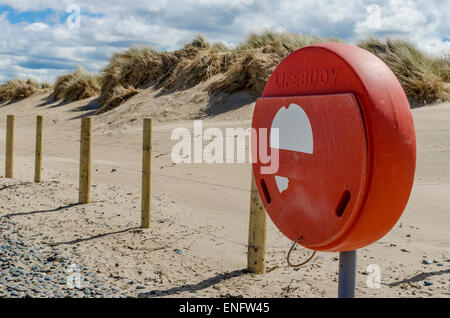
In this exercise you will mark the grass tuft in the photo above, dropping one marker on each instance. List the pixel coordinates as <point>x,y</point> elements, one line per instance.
<point>422,76</point>
<point>118,96</point>
<point>193,70</point>
<point>17,89</point>
<point>133,68</point>
<point>139,67</point>
<point>46,85</point>
<point>257,57</point>
<point>250,72</point>
<point>76,86</point>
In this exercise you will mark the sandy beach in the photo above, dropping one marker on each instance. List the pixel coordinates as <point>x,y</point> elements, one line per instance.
<point>197,243</point>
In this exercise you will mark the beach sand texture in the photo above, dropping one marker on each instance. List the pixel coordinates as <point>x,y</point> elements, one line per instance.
<point>196,245</point>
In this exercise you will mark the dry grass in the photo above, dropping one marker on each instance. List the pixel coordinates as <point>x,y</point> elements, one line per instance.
<point>197,62</point>
<point>59,86</point>
<point>139,67</point>
<point>422,76</point>
<point>118,96</point>
<point>200,42</point>
<point>83,85</point>
<point>17,89</point>
<point>133,68</point>
<point>244,68</point>
<point>250,64</point>
<point>280,43</point>
<point>33,83</point>
<point>196,69</point>
<point>250,72</point>
<point>441,67</point>
<point>76,86</point>
<point>46,85</point>
<point>257,58</point>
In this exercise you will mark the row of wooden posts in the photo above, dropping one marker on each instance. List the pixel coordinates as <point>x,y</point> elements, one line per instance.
<point>256,262</point>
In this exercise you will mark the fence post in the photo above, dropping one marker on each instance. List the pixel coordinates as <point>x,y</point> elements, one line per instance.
<point>146,173</point>
<point>256,257</point>
<point>9,157</point>
<point>85,161</point>
<point>38,150</point>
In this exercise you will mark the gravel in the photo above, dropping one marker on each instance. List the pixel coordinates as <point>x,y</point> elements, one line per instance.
<point>32,269</point>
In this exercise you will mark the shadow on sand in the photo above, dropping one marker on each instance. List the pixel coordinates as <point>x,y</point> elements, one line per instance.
<point>195,287</point>
<point>40,211</point>
<point>420,277</point>
<point>97,236</point>
<point>91,108</point>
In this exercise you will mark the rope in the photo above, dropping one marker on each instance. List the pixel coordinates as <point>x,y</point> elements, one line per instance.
<point>290,251</point>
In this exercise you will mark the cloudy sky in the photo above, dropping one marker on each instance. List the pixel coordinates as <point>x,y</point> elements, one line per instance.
<point>45,38</point>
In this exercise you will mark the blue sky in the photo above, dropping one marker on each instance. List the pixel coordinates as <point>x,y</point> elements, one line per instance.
<point>36,41</point>
<point>49,16</point>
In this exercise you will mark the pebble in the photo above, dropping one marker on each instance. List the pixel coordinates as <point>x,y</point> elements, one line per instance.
<point>31,269</point>
<point>59,294</point>
<point>427,261</point>
<point>178,251</point>
<point>428,283</point>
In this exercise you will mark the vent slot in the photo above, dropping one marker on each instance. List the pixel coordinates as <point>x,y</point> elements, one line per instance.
<point>266,191</point>
<point>343,202</point>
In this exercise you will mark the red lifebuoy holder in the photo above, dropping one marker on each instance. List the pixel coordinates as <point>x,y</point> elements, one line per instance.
<point>347,147</point>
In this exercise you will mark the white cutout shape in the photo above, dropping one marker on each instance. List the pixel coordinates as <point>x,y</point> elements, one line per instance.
<point>295,134</point>
<point>295,130</point>
<point>282,183</point>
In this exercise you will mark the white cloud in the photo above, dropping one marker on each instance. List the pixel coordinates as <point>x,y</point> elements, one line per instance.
<point>45,49</point>
<point>37,26</point>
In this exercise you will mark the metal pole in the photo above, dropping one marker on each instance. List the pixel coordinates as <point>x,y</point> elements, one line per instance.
<point>347,274</point>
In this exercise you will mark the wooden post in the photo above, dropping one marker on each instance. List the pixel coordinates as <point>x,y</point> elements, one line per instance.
<point>85,161</point>
<point>146,173</point>
<point>256,257</point>
<point>38,150</point>
<point>9,157</point>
